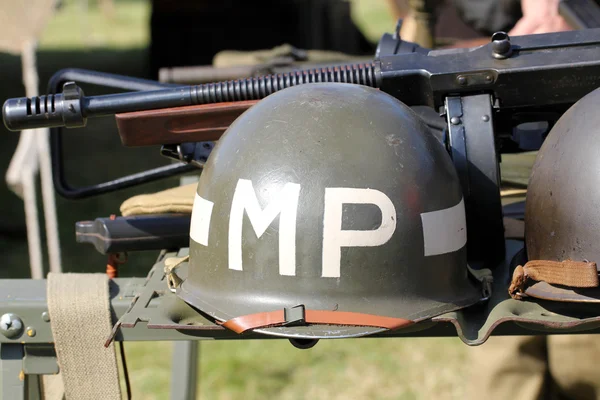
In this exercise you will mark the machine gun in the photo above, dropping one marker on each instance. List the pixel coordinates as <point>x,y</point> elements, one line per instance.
<point>482,97</point>
<point>508,81</point>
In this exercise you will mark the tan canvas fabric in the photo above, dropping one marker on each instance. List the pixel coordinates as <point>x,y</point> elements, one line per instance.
<point>54,388</point>
<point>80,319</point>
<point>176,200</point>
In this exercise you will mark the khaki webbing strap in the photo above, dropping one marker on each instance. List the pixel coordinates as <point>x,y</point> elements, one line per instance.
<point>80,319</point>
<point>568,273</point>
<point>278,318</point>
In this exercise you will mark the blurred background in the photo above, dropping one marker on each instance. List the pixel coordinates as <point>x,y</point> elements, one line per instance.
<point>137,38</point>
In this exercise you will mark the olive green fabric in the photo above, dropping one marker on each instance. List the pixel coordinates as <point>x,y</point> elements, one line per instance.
<point>176,200</point>
<point>516,168</point>
<point>536,367</point>
<point>228,58</point>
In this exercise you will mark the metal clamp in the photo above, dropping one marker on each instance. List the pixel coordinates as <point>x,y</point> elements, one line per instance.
<point>173,280</point>
<point>195,154</point>
<point>457,142</point>
<point>471,142</point>
<point>294,316</point>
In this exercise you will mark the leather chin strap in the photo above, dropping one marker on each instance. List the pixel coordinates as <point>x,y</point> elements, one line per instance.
<point>536,278</point>
<point>300,316</point>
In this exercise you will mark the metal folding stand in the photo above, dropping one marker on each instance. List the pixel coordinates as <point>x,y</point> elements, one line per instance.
<point>13,382</point>
<point>22,368</point>
<point>184,372</point>
<point>148,311</point>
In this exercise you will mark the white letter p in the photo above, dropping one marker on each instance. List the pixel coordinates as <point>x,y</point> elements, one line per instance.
<point>334,238</point>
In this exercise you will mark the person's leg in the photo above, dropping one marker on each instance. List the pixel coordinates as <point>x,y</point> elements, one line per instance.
<point>573,362</point>
<point>509,367</point>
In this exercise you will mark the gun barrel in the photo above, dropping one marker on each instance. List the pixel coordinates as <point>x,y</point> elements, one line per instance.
<point>71,108</point>
<point>96,106</point>
<point>60,110</point>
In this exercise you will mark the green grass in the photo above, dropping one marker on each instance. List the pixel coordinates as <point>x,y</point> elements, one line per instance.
<point>127,28</point>
<point>373,18</point>
<point>333,369</point>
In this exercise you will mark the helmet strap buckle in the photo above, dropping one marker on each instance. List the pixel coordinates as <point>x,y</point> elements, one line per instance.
<point>294,316</point>
<point>173,280</point>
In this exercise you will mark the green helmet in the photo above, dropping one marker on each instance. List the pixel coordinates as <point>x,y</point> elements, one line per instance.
<point>562,218</point>
<point>561,212</point>
<point>328,210</point>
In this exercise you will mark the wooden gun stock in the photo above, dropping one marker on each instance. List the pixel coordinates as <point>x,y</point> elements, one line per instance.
<point>200,123</point>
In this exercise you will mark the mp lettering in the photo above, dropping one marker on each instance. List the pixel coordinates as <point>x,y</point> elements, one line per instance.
<point>284,204</point>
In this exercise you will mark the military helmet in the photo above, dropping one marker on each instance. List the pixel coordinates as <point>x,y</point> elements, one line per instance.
<point>328,210</point>
<point>562,215</point>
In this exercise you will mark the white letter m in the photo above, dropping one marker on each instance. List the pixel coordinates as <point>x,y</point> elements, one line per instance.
<point>284,204</point>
